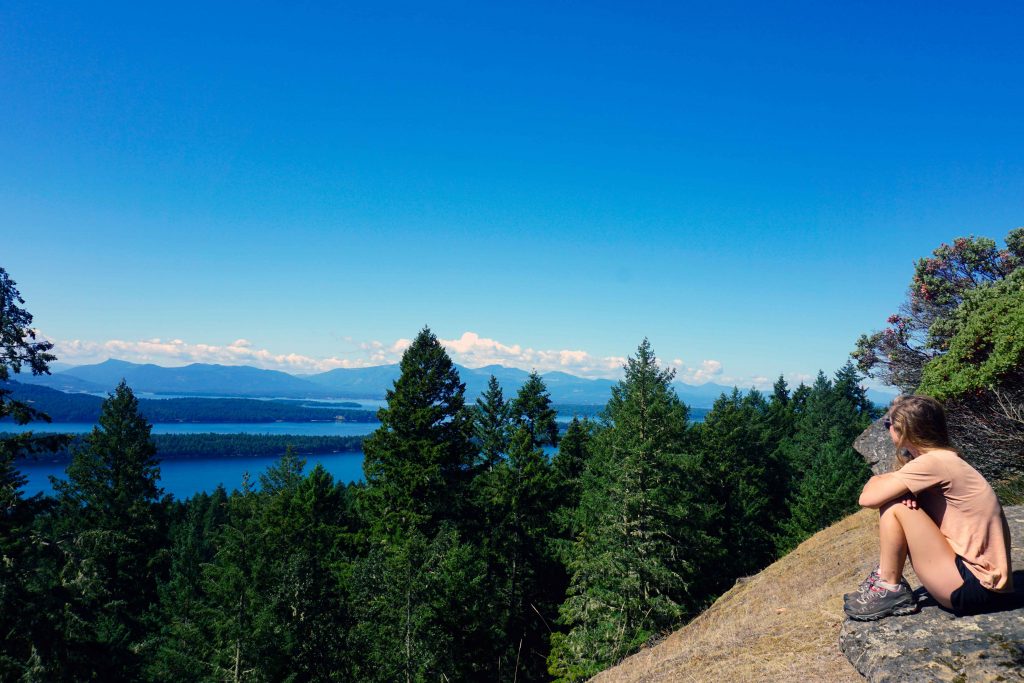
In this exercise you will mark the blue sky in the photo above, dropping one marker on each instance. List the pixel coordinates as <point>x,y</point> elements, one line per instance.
<point>304,186</point>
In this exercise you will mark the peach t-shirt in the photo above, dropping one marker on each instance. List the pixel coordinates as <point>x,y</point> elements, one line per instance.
<point>967,512</point>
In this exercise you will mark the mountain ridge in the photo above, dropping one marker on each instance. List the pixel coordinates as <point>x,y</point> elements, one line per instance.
<point>211,379</point>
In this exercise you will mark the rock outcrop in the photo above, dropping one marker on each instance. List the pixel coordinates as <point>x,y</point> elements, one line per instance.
<point>875,446</point>
<point>935,645</point>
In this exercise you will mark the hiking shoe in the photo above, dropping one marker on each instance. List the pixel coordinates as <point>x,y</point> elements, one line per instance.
<point>864,586</point>
<point>867,583</point>
<point>878,602</point>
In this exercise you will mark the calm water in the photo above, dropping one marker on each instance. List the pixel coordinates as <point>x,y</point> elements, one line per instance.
<point>184,477</point>
<point>303,428</point>
<point>364,403</point>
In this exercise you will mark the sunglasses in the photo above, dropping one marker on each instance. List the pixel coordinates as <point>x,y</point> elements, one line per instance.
<point>887,423</point>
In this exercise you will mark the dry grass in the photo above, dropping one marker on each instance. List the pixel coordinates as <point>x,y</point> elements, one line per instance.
<point>782,624</point>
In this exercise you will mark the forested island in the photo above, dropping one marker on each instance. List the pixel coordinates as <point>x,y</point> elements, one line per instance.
<point>468,553</point>
<point>205,445</point>
<point>66,407</point>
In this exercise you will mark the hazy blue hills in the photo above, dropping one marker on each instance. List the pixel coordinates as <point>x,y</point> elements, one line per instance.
<point>78,407</point>
<point>197,379</point>
<point>202,379</point>
<point>61,381</point>
<point>370,382</point>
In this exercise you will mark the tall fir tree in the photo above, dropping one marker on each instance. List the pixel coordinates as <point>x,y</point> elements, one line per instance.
<point>492,424</point>
<point>111,530</point>
<point>528,580</point>
<point>532,409</point>
<point>743,476</point>
<point>305,546</point>
<point>628,566</point>
<point>825,492</point>
<point>568,465</point>
<point>780,413</point>
<point>420,614</point>
<point>419,461</point>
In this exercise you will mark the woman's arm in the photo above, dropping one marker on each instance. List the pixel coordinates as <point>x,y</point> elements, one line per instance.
<point>881,489</point>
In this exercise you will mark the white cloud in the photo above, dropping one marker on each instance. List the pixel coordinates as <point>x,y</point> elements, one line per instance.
<point>707,371</point>
<point>470,349</point>
<point>179,352</point>
<point>475,351</point>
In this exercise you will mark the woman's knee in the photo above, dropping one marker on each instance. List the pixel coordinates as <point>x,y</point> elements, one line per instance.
<point>893,507</point>
<point>899,509</point>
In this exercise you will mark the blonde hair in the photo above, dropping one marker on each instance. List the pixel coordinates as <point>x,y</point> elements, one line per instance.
<point>919,421</point>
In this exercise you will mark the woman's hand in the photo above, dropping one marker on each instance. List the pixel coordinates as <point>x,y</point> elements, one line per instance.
<point>910,501</point>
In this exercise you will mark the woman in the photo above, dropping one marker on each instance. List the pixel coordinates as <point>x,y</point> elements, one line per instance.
<point>941,512</point>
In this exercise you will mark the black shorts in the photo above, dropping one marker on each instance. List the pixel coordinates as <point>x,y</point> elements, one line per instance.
<point>972,597</point>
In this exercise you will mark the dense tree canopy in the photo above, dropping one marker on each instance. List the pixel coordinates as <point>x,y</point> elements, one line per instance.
<point>471,552</point>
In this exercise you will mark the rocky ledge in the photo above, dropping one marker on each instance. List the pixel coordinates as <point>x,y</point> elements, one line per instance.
<point>934,645</point>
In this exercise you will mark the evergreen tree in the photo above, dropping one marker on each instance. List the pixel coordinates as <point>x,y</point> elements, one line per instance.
<point>737,457</point>
<point>21,594</point>
<point>847,388</point>
<point>831,416</point>
<point>111,532</point>
<point>528,581</point>
<point>568,465</point>
<point>418,462</point>
<point>273,605</point>
<point>421,610</point>
<point>826,492</point>
<point>532,409</point>
<point>185,631</point>
<point>492,424</point>
<point>629,564</point>
<point>781,408</point>
<point>307,556</point>
<point>236,616</point>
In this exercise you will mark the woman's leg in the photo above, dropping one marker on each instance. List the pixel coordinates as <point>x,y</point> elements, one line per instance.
<point>900,530</point>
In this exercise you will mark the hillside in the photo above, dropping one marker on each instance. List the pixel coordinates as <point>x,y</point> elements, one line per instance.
<point>782,624</point>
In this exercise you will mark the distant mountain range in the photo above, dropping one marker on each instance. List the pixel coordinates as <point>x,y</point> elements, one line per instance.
<point>201,379</point>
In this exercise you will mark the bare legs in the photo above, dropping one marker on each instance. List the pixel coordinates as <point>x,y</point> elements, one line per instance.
<point>900,530</point>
